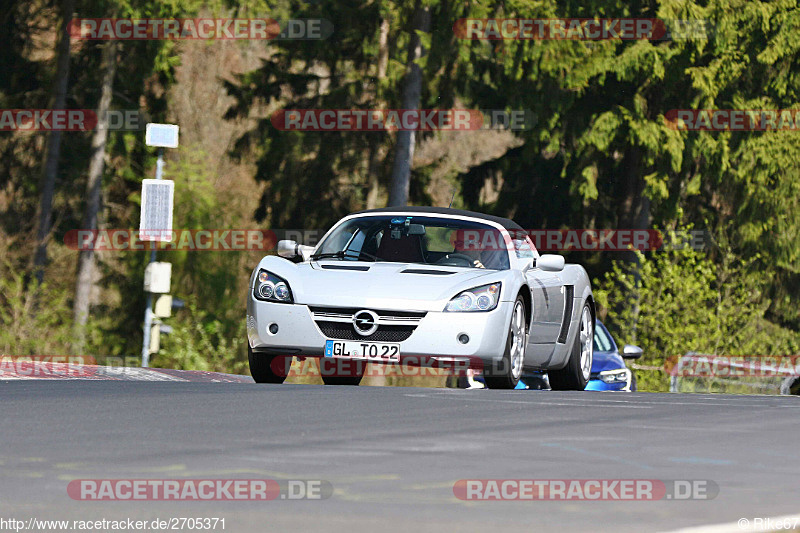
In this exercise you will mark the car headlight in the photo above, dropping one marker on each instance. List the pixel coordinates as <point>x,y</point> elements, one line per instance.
<point>272,288</point>
<point>621,375</point>
<point>483,298</point>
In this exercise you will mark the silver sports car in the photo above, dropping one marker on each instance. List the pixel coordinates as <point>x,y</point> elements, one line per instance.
<point>422,286</point>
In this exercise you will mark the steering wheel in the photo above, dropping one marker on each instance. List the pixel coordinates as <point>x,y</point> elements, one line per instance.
<point>456,259</point>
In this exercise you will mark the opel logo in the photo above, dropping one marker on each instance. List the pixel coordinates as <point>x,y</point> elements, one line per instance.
<point>365,323</point>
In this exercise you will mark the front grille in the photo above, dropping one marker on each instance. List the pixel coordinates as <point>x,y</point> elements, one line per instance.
<point>393,326</point>
<point>350,311</point>
<point>346,332</point>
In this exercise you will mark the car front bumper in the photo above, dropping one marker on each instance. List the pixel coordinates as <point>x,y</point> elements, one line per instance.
<point>597,384</point>
<point>436,335</point>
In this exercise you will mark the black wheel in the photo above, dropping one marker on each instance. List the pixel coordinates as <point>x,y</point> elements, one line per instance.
<point>575,375</point>
<point>341,371</point>
<point>634,387</point>
<point>457,382</point>
<point>266,368</point>
<point>791,386</point>
<point>505,374</point>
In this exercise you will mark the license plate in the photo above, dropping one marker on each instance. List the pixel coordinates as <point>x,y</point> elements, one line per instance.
<point>363,350</point>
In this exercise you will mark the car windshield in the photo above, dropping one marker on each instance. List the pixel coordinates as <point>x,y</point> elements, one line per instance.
<point>417,239</point>
<point>602,340</point>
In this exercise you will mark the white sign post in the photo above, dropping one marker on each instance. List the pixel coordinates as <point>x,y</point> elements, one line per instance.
<point>155,217</point>
<point>155,220</point>
<point>161,135</point>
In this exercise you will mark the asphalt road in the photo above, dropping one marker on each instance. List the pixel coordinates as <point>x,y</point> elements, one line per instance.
<point>392,455</point>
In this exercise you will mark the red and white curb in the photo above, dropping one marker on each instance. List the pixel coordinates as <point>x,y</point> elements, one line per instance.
<point>27,370</point>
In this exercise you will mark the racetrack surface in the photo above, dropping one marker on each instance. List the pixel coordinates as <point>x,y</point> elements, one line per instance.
<point>392,455</point>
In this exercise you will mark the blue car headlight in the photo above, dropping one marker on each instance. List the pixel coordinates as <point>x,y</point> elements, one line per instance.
<point>483,298</point>
<point>272,288</point>
<point>620,375</point>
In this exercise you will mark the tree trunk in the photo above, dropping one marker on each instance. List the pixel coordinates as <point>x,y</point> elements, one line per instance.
<point>374,145</point>
<point>383,49</point>
<point>86,259</point>
<point>633,214</point>
<point>633,211</point>
<point>412,93</point>
<point>53,150</point>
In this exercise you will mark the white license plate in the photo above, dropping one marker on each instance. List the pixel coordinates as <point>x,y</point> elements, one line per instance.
<point>376,351</point>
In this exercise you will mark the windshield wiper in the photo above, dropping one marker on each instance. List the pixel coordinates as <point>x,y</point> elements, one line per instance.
<point>329,255</point>
<point>341,254</point>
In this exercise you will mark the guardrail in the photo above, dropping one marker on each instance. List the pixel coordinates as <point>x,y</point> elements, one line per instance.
<point>754,374</point>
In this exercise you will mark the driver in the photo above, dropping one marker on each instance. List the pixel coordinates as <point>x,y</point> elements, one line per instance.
<point>469,248</point>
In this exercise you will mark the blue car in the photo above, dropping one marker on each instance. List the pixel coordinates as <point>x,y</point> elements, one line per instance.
<point>608,366</point>
<point>609,371</point>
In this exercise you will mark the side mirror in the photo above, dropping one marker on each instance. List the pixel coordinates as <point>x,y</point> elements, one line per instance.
<point>551,262</point>
<point>293,251</point>
<point>288,249</point>
<point>629,351</point>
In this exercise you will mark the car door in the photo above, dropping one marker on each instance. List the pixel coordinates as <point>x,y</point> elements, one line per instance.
<point>548,296</point>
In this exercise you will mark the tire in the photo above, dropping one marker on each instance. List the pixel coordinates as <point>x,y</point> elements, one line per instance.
<point>575,375</point>
<point>345,372</point>
<point>459,382</point>
<point>263,366</point>
<point>506,373</point>
<point>791,386</point>
<point>634,386</point>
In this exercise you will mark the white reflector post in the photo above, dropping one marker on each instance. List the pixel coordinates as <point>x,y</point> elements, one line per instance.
<point>155,218</point>
<point>157,277</point>
<point>163,135</point>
